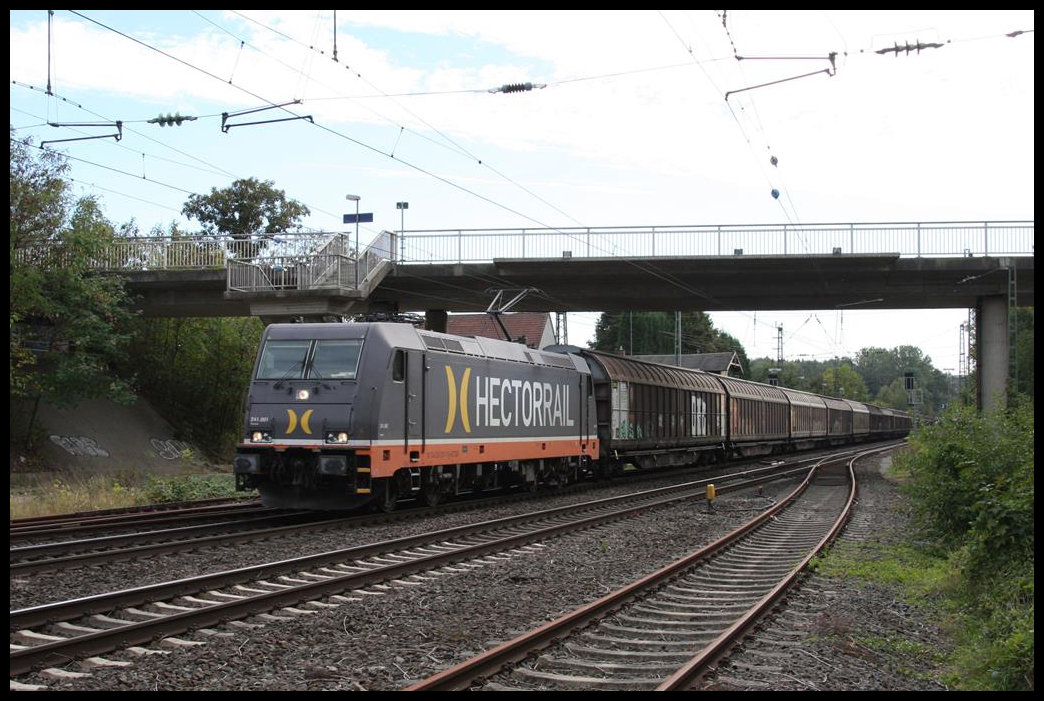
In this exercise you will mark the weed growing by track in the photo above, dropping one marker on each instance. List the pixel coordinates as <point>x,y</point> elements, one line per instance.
<point>968,562</point>
<point>74,492</point>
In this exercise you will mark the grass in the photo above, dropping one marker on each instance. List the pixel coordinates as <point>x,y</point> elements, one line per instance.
<point>919,574</point>
<point>991,642</point>
<point>73,492</point>
<point>906,655</point>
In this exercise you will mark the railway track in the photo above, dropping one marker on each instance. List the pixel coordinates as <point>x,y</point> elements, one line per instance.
<point>135,514</point>
<point>241,527</point>
<point>56,633</point>
<point>192,527</point>
<point>55,555</point>
<point>664,631</point>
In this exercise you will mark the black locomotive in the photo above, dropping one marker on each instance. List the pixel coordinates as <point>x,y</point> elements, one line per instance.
<point>340,415</point>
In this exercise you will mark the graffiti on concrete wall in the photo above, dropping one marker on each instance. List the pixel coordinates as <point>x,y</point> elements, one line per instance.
<point>169,448</point>
<point>87,447</point>
<point>80,446</point>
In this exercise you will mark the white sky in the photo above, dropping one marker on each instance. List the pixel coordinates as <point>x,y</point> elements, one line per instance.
<point>633,127</point>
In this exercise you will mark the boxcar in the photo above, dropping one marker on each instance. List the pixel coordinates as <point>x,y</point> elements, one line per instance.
<point>656,414</point>
<point>759,417</point>
<point>839,420</point>
<point>860,419</point>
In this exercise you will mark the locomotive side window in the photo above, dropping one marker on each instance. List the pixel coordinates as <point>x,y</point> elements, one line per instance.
<point>282,360</point>
<point>399,366</point>
<point>335,360</point>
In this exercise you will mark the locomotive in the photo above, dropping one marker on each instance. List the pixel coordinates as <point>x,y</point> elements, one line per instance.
<point>342,415</point>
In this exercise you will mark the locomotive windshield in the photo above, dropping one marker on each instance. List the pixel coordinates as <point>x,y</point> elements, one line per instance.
<point>309,359</point>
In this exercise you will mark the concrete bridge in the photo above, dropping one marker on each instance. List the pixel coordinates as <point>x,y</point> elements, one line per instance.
<point>986,266</point>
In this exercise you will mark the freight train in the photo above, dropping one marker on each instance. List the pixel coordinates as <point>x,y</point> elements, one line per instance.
<point>343,415</point>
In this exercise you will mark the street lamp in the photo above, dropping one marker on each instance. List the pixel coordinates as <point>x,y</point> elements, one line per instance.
<point>355,199</point>
<point>402,207</point>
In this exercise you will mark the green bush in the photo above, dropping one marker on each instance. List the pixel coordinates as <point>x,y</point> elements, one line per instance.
<point>971,486</point>
<point>996,641</point>
<point>190,488</point>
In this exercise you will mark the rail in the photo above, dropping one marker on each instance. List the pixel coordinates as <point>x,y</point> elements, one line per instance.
<point>328,260</point>
<point>908,239</point>
<point>333,265</point>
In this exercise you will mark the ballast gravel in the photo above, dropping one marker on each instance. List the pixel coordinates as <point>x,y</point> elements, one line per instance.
<point>390,637</point>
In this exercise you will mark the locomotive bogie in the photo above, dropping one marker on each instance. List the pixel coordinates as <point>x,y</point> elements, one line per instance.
<point>433,485</point>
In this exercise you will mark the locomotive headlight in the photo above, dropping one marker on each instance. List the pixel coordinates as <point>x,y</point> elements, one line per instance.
<point>303,394</point>
<point>337,437</point>
<point>260,437</point>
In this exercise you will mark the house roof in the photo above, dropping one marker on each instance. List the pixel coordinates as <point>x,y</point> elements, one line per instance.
<point>529,324</point>
<point>718,363</point>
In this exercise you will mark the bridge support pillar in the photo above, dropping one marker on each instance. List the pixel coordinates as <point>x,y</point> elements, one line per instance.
<point>992,362</point>
<point>436,320</point>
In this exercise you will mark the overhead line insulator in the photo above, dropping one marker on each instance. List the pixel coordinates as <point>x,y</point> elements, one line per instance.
<point>908,47</point>
<point>518,87</point>
<point>171,119</point>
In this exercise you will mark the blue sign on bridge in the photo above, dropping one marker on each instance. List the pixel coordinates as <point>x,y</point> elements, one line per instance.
<point>363,218</point>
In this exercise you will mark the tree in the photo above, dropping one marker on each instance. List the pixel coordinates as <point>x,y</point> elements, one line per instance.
<point>801,375</point>
<point>844,382</point>
<point>1024,352</point>
<point>67,322</point>
<point>654,333</point>
<point>194,372</point>
<point>249,212</point>
<point>878,367</point>
<point>39,199</point>
<point>893,395</point>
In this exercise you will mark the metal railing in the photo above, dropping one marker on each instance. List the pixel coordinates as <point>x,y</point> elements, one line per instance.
<point>286,261</point>
<point>283,273</point>
<point>334,265</point>
<point>208,252</point>
<point>290,260</point>
<point>908,239</point>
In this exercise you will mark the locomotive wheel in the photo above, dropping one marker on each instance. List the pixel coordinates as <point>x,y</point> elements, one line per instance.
<point>430,494</point>
<point>386,496</point>
<point>434,488</point>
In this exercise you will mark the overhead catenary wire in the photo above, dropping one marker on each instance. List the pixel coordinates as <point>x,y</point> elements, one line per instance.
<point>133,175</point>
<point>447,139</point>
<point>687,289</point>
<point>647,267</point>
<point>743,131</point>
<point>394,152</point>
<point>271,104</point>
